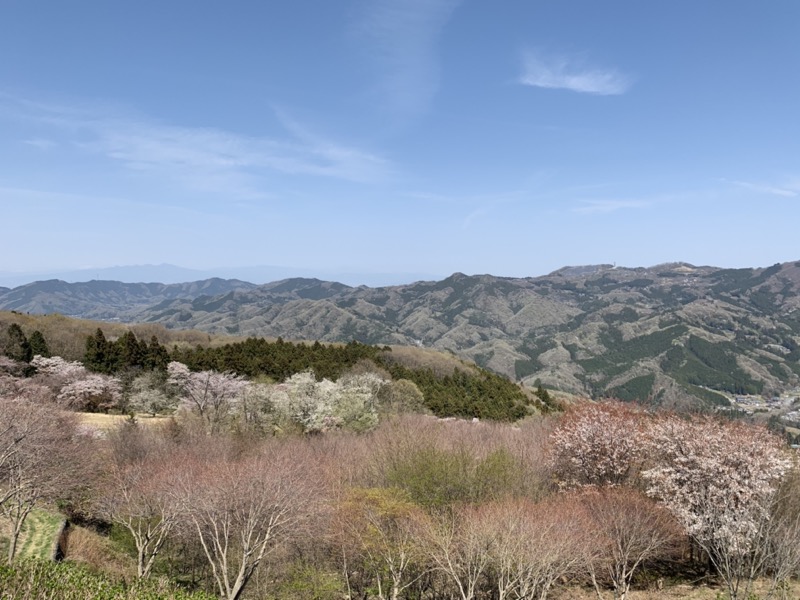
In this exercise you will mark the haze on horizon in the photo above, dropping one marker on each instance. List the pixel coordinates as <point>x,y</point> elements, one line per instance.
<point>394,137</point>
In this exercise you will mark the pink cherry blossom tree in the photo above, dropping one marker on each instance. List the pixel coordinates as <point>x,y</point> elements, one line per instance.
<point>598,445</point>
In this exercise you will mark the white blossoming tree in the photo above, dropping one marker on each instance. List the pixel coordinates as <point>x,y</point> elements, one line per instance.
<point>75,388</point>
<point>210,395</point>
<point>317,406</point>
<point>57,367</point>
<point>93,393</point>
<point>148,395</point>
<point>720,480</point>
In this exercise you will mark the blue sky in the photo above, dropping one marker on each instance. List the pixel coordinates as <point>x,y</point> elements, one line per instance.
<point>389,136</point>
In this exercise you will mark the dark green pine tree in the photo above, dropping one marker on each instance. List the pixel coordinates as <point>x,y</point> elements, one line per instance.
<point>38,344</point>
<point>16,344</point>
<point>129,352</point>
<point>156,356</point>
<point>99,356</point>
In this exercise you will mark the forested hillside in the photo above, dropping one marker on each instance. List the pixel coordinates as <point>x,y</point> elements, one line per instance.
<point>671,334</point>
<point>117,372</point>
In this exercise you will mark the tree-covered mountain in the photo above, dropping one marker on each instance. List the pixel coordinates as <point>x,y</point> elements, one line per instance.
<point>660,334</point>
<point>106,299</point>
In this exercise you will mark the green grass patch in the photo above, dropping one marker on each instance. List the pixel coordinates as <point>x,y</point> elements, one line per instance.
<point>44,580</point>
<point>39,534</point>
<point>37,538</point>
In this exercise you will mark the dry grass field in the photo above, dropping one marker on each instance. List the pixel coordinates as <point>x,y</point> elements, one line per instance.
<point>102,423</point>
<point>85,547</point>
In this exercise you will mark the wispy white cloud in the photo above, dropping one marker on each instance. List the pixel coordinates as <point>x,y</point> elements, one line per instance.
<point>321,156</point>
<point>40,143</point>
<point>608,206</point>
<point>475,214</point>
<point>539,70</point>
<point>46,199</point>
<point>211,158</point>
<point>479,206</point>
<point>786,191</point>
<point>401,37</point>
<point>208,159</point>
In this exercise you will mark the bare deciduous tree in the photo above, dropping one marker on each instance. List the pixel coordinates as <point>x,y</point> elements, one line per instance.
<point>781,543</point>
<point>628,530</point>
<point>383,528</point>
<point>39,453</point>
<point>138,490</point>
<point>459,548</point>
<point>532,545</point>
<point>241,508</point>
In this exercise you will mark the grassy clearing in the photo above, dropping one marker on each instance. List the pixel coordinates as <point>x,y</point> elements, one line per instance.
<point>39,535</point>
<point>103,422</point>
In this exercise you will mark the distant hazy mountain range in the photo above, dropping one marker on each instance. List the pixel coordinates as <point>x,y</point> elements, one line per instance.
<point>165,273</point>
<point>658,334</point>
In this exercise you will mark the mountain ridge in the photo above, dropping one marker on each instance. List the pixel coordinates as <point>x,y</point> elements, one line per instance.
<point>105,299</point>
<point>173,274</point>
<point>658,334</point>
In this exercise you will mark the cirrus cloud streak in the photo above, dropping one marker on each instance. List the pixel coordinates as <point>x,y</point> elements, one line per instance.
<point>566,74</point>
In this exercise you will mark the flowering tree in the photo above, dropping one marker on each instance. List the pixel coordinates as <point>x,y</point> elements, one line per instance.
<point>305,402</point>
<point>719,479</point>
<point>148,395</point>
<point>10,367</point>
<point>210,395</point>
<point>317,406</point>
<point>598,444</point>
<point>15,388</point>
<point>92,393</point>
<point>59,368</point>
<point>355,400</point>
<point>75,388</point>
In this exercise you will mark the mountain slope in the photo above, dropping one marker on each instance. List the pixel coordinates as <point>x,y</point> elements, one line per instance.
<point>661,334</point>
<point>106,299</point>
<point>658,333</point>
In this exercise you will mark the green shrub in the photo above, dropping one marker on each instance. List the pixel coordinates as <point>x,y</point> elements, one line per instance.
<point>42,580</point>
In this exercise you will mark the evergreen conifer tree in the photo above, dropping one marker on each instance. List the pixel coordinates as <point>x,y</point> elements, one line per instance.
<point>156,356</point>
<point>129,352</point>
<point>98,356</point>
<point>38,344</point>
<point>16,344</point>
